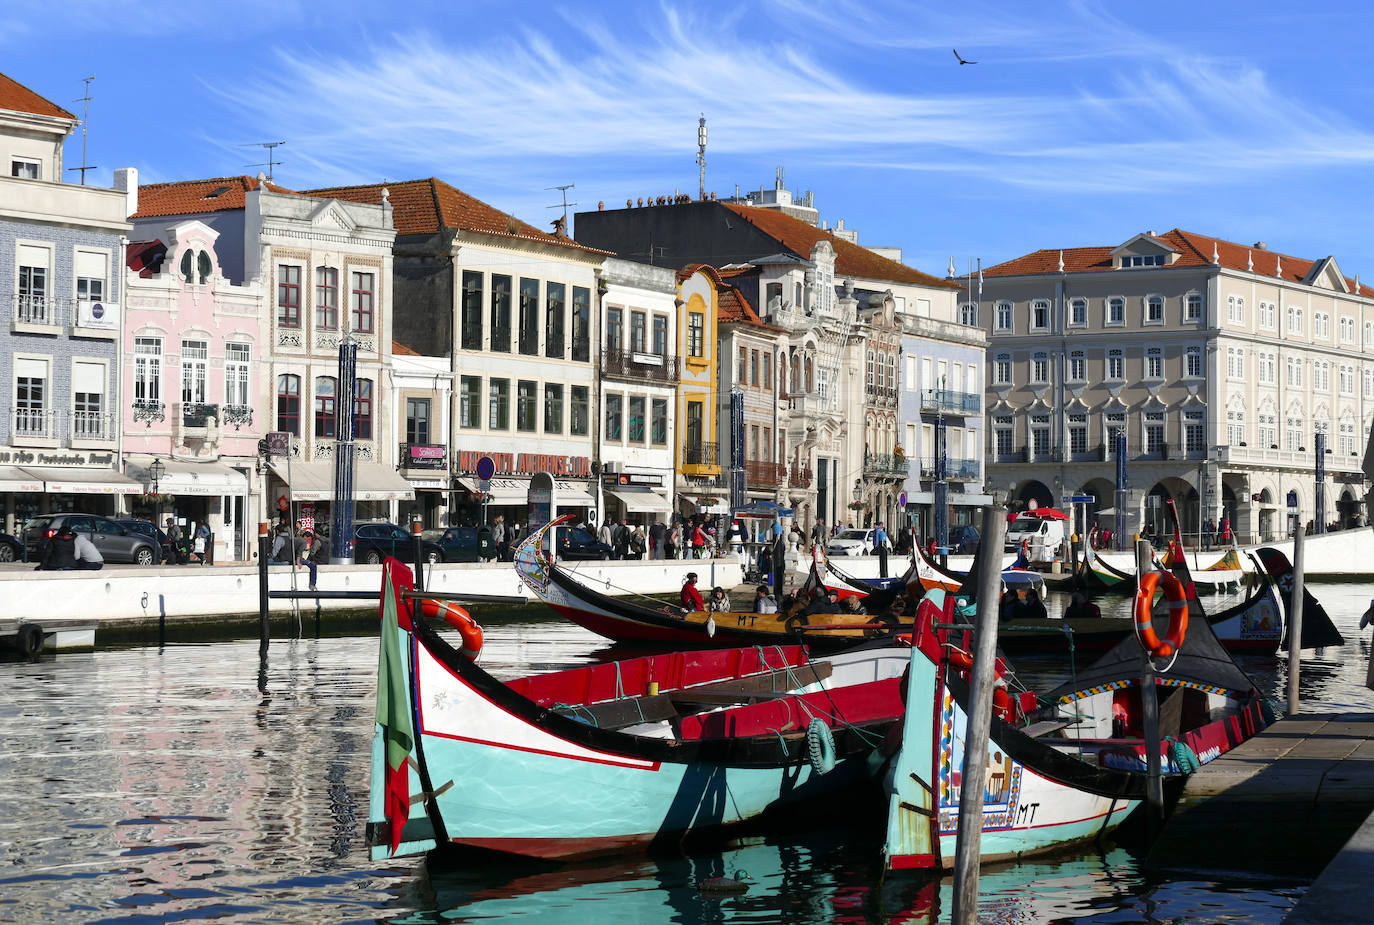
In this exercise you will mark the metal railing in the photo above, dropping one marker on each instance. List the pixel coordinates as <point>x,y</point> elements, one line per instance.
<point>951,402</point>
<point>500,339</point>
<point>238,415</point>
<point>92,425</point>
<point>652,367</point>
<point>472,336</point>
<point>149,410</point>
<point>700,454</point>
<point>885,465</point>
<point>31,422</point>
<point>800,478</point>
<point>759,472</point>
<point>35,309</point>
<point>955,468</point>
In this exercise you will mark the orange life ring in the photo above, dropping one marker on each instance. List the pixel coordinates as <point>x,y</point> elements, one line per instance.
<point>459,619</point>
<point>1178,613</point>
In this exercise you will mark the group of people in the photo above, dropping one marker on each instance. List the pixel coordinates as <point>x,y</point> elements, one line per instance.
<point>67,550</point>
<point>184,551</point>
<point>719,602</point>
<point>306,549</point>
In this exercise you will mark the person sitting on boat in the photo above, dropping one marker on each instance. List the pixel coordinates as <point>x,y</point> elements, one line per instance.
<point>764,601</point>
<point>1024,604</point>
<point>690,596</point>
<point>829,602</point>
<point>1081,608</point>
<point>720,601</point>
<point>853,605</point>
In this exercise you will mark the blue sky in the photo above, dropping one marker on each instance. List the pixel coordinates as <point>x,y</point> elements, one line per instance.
<point>1082,122</point>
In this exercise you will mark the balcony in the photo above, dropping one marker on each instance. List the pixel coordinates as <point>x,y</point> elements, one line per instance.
<point>945,401</point>
<point>956,469</point>
<point>764,474</point>
<point>31,424</point>
<point>92,427</point>
<point>198,414</point>
<point>884,466</point>
<point>880,395</point>
<point>238,416</point>
<point>34,314</point>
<point>701,454</point>
<point>800,478</point>
<point>1301,459</point>
<point>651,367</point>
<point>149,410</point>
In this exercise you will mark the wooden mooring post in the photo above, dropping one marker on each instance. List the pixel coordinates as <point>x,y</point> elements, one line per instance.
<point>264,626</point>
<point>1295,622</point>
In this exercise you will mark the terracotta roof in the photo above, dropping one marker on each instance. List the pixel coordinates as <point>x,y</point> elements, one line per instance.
<point>1194,250</point>
<point>400,349</point>
<point>16,97</point>
<point>191,197</point>
<point>145,257</point>
<point>428,206</point>
<point>850,259</point>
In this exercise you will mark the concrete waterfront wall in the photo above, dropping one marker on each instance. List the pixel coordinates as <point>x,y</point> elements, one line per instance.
<point>144,595</point>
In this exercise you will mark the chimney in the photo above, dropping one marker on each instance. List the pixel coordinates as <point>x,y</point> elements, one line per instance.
<point>126,179</point>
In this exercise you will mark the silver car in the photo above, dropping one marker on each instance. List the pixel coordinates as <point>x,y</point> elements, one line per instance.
<point>115,543</point>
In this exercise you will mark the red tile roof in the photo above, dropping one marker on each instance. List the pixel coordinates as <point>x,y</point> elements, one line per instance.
<point>400,349</point>
<point>191,197</point>
<point>850,259</point>
<point>16,97</point>
<point>1194,250</point>
<point>731,305</point>
<point>431,205</point>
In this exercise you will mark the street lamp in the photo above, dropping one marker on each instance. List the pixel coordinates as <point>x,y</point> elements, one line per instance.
<point>155,472</point>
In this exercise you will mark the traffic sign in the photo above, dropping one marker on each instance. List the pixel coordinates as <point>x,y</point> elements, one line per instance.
<point>901,499</point>
<point>486,468</point>
<point>1079,499</point>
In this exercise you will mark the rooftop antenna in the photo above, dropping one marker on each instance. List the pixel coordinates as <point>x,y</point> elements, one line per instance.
<point>272,163</point>
<point>701,156</point>
<point>564,190</point>
<point>85,111</point>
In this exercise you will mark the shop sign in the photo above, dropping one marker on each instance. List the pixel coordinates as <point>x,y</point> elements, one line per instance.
<point>526,463</point>
<point>426,456</point>
<point>639,479</point>
<point>13,457</point>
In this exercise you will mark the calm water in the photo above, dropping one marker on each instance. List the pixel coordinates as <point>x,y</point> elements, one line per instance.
<point>148,785</point>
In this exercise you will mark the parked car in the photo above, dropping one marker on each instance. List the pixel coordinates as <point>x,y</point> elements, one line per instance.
<point>10,550</point>
<point>114,542</point>
<point>374,541</point>
<point>580,543</point>
<point>963,540</point>
<point>855,542</point>
<point>153,532</point>
<point>457,544</point>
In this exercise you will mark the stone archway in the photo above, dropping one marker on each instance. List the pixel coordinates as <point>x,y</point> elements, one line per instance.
<point>1034,492</point>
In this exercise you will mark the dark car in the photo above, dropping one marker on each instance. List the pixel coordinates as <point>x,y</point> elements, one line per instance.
<point>963,540</point>
<point>458,544</point>
<point>153,532</point>
<point>114,542</point>
<point>10,550</point>
<point>579,543</point>
<point>374,541</point>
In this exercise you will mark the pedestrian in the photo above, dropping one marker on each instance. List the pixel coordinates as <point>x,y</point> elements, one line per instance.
<point>699,542</point>
<point>657,535</point>
<point>1226,531</point>
<point>59,552</point>
<point>498,537</point>
<point>1209,534</point>
<point>621,533</point>
<point>87,556</point>
<point>673,540</point>
<point>690,596</point>
<point>638,542</point>
<point>200,543</point>
<point>282,547</point>
<point>174,537</point>
<point>880,537</point>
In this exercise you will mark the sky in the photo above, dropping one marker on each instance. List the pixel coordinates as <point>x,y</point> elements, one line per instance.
<point>1080,123</point>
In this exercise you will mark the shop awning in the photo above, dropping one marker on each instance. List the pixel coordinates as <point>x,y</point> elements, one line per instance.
<point>642,501</point>
<point>315,482</point>
<point>510,489</point>
<point>78,481</point>
<point>12,478</point>
<point>187,477</point>
<point>573,494</point>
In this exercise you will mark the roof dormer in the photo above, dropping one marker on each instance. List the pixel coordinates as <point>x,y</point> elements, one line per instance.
<point>1326,275</point>
<point>1144,250</point>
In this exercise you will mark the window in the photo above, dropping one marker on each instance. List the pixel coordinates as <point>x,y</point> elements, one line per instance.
<point>1039,368</point>
<point>1142,260</point>
<point>1078,313</point>
<point>1321,325</point>
<point>1268,431</point>
<point>1267,368</point>
<point>529,316</point>
<point>1154,431</point>
<point>754,367</point>
<point>696,334</point>
<point>1040,315</point>
<point>326,395</point>
<point>1268,315</point>
<point>660,343</point>
<point>25,168</point>
<point>417,420</point>
<point>1078,432</point>
<point>498,405</point>
<point>1235,426</point>
<point>553,408</point>
<point>361,302</point>
<point>500,313</point>
<point>526,405</point>
<point>581,323</point>
<point>1001,369</point>
<point>1235,363</point>
<point>289,404</point>
<point>768,370</point>
<point>1040,434</point>
<point>88,389</point>
<point>637,331</point>
<point>288,296</point>
<point>1321,376</point>
<point>1116,364</point>
<point>1078,366</point>
<point>1154,309</point>
<point>1116,311</point>
<point>326,298</point>
<point>194,364</point>
<point>636,419</point>
<point>1293,435</point>
<point>362,409</point>
<point>1295,372</point>
<point>1347,329</point>
<point>555,305</point>
<point>471,318</point>
<point>92,269</point>
<point>1003,434</point>
<point>1114,428</point>
<point>1235,309</point>
<point>238,359</point>
<point>1345,440</point>
<point>1369,382</point>
<point>968,314</point>
<point>615,415</point>
<point>31,398</point>
<point>614,331</point>
<point>773,298</point>
<point>1294,320</point>
<point>1154,363</point>
<point>579,422</point>
<point>892,372</point>
<point>470,401</point>
<point>696,433</point>
<point>1003,313</point>
<point>1369,334</point>
<point>868,370</point>
<point>1193,438</point>
<point>147,370</point>
<point>1192,362</point>
<point>1347,380</point>
<point>742,367</point>
<point>658,422</point>
<point>1192,307</point>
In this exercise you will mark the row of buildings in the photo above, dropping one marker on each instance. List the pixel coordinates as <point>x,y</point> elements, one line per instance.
<point>672,356</point>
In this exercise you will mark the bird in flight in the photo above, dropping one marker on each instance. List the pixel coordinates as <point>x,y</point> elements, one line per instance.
<point>961,60</point>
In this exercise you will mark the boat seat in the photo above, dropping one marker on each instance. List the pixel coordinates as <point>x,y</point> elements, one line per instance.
<point>628,711</point>
<point>1044,727</point>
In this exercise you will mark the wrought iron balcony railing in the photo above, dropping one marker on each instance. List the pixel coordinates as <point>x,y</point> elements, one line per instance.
<point>950,402</point>
<point>884,465</point>
<point>149,410</point>
<point>625,364</point>
<point>759,472</point>
<point>238,416</point>
<point>198,414</point>
<point>800,478</point>
<point>700,454</point>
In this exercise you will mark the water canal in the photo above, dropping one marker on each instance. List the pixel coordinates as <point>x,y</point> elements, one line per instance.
<point>178,784</point>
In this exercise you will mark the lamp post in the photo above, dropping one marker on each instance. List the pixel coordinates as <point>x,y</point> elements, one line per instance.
<point>155,472</point>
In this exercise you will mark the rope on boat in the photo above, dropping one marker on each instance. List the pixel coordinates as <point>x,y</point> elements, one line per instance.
<point>624,592</point>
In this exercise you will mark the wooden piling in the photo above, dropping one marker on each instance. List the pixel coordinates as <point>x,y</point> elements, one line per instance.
<point>1295,622</point>
<point>264,626</point>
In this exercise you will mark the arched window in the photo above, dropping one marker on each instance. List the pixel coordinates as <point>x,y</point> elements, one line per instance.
<point>810,376</point>
<point>203,265</point>
<point>289,404</point>
<point>796,371</point>
<point>326,396</point>
<point>186,271</point>
<point>362,410</point>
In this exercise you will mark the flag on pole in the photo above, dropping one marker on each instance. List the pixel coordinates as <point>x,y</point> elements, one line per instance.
<point>393,700</point>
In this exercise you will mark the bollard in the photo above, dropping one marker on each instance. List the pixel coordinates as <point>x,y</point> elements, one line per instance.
<point>264,627</point>
<point>1149,712</point>
<point>882,560</point>
<point>419,547</point>
<point>1295,623</point>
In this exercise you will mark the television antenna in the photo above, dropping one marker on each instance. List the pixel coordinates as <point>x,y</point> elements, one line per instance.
<point>564,189</point>
<point>271,162</point>
<point>85,111</point>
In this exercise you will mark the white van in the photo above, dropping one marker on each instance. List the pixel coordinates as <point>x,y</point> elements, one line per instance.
<point>1045,536</point>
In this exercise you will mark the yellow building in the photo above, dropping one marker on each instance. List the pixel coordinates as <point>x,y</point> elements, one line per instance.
<point>700,452</point>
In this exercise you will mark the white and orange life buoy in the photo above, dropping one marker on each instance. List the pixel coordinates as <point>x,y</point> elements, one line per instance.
<point>459,619</point>
<point>1178,613</point>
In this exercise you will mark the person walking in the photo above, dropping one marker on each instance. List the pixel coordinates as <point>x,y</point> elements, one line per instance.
<point>498,537</point>
<point>174,537</point>
<point>699,542</point>
<point>657,536</point>
<point>1209,533</point>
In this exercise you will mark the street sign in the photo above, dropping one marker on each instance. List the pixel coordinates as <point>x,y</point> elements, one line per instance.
<point>486,468</point>
<point>1293,499</point>
<point>901,499</point>
<point>1079,499</point>
<point>279,443</point>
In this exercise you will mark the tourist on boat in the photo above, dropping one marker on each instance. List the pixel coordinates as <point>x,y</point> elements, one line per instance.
<point>764,602</point>
<point>1022,604</point>
<point>853,605</point>
<point>720,601</point>
<point>1081,608</point>
<point>829,602</point>
<point>690,596</point>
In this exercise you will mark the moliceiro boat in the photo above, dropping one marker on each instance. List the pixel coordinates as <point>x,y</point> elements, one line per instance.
<point>610,757</point>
